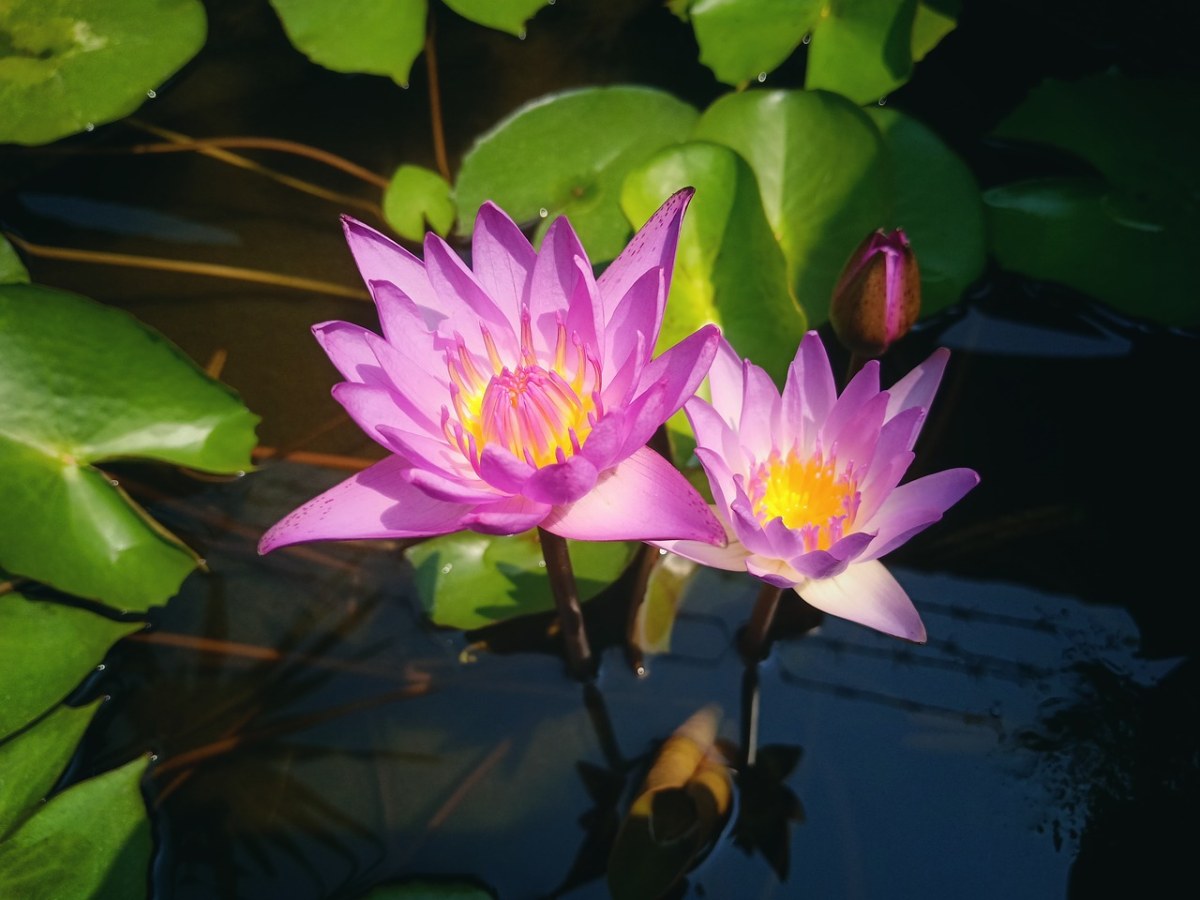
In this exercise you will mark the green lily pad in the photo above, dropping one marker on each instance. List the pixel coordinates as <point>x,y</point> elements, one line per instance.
<point>822,170</point>
<point>379,37</point>
<point>92,840</point>
<point>741,39</point>
<point>937,203</point>
<point>417,200</point>
<point>862,49</point>
<point>469,580</point>
<point>729,269</point>
<point>84,384</point>
<point>934,20</point>
<point>567,154</point>
<point>1132,252</point>
<point>67,65</point>
<point>48,649</point>
<point>32,763</point>
<point>503,15</point>
<point>12,270</point>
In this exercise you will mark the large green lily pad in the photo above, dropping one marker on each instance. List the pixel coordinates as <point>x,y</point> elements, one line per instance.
<point>47,649</point>
<point>84,384</point>
<point>729,269</point>
<point>469,580</point>
<point>568,154</point>
<point>822,170</point>
<point>92,840</point>
<point>66,65</point>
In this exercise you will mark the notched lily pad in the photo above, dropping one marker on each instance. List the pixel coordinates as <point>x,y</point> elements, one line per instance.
<point>469,580</point>
<point>568,154</point>
<point>66,65</point>
<point>84,384</point>
<point>418,200</point>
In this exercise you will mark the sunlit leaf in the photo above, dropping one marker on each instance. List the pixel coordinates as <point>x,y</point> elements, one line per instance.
<point>468,580</point>
<point>12,270</point>
<point>936,202</point>
<point>862,49</point>
<point>739,39</point>
<point>503,15</point>
<point>418,200</point>
<point>822,171</point>
<point>934,20</point>
<point>31,763</point>
<point>47,649</point>
<point>426,889</point>
<point>84,384</point>
<point>380,37</point>
<point>729,269</point>
<point>567,154</point>
<point>66,65</point>
<point>1132,252</point>
<point>92,840</point>
<point>678,812</point>
<point>656,612</point>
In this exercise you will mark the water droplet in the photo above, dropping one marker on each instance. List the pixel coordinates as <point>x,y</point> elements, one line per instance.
<point>662,552</point>
<point>883,101</point>
<point>153,757</point>
<point>807,39</point>
<point>521,36</point>
<point>543,212</point>
<point>541,564</point>
<point>100,668</point>
<point>114,482</point>
<point>151,94</point>
<point>446,568</point>
<point>762,76</point>
<point>90,126</point>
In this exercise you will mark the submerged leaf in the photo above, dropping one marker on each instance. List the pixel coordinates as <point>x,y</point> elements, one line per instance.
<point>47,648</point>
<point>568,154</point>
<point>470,580</point>
<point>655,616</point>
<point>92,840</point>
<point>67,65</point>
<point>679,810</point>
<point>85,384</point>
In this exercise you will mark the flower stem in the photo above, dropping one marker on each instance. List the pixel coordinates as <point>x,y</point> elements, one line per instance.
<point>648,558</point>
<point>750,708</point>
<point>566,599</point>
<point>754,643</point>
<point>435,99</point>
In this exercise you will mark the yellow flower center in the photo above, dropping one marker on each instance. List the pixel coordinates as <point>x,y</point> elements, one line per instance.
<point>540,412</point>
<point>811,495</point>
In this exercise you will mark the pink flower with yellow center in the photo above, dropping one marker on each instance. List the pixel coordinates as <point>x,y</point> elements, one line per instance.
<point>807,484</point>
<point>518,392</point>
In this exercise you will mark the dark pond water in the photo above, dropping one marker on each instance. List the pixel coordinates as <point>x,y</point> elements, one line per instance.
<point>315,736</point>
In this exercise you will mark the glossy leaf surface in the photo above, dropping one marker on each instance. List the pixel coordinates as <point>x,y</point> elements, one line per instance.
<point>418,200</point>
<point>66,65</point>
<point>469,580</point>
<point>48,648</point>
<point>568,154</point>
<point>85,384</point>
<point>379,37</point>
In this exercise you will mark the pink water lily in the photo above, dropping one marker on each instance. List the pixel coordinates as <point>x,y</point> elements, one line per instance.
<point>807,484</point>
<point>514,393</point>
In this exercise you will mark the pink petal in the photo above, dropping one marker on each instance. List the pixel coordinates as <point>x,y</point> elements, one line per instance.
<point>501,256</point>
<point>602,445</point>
<point>375,503</point>
<point>652,247</point>
<point>731,557</point>
<point>716,436</point>
<point>563,482</point>
<point>642,498</point>
<point>826,563</point>
<point>500,468</point>
<point>467,307</point>
<point>452,490</point>
<point>555,274</point>
<point>917,388</point>
<point>913,507</point>
<point>773,571</point>
<point>404,323</point>
<point>633,326</point>
<point>809,393</point>
<point>720,477</point>
<point>725,383</point>
<point>677,372</point>
<point>346,346</point>
<point>862,388</point>
<point>379,258</point>
<point>760,412</point>
<point>376,409</point>
<point>510,516</point>
<point>868,594</point>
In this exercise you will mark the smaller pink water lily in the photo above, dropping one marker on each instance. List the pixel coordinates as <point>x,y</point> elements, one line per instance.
<point>807,484</point>
<point>514,393</point>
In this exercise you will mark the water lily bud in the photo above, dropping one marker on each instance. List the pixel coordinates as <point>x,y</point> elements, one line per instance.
<point>878,296</point>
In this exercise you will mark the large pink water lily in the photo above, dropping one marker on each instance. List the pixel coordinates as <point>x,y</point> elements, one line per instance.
<point>518,392</point>
<point>807,484</point>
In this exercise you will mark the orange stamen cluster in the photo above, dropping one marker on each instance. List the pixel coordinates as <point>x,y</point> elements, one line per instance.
<point>810,494</point>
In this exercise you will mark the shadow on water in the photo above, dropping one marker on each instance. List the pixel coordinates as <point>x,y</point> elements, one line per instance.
<point>316,736</point>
